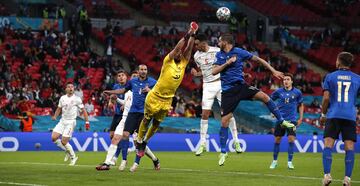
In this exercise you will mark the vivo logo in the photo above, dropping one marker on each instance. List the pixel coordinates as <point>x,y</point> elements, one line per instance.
<point>96,143</point>
<point>315,144</point>
<point>212,142</point>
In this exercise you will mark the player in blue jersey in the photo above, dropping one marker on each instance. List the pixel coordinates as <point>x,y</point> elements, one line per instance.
<point>121,79</point>
<point>139,86</point>
<point>229,63</point>
<point>288,99</point>
<point>339,112</point>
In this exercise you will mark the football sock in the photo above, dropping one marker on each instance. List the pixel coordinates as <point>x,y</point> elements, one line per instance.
<point>137,159</point>
<point>275,110</point>
<point>233,129</point>
<point>110,153</point>
<point>59,144</point>
<point>70,150</point>
<point>124,148</point>
<point>151,131</point>
<point>142,130</point>
<point>327,160</point>
<point>349,162</point>
<point>203,131</point>
<point>223,138</point>
<point>276,150</point>
<point>150,154</point>
<point>118,150</point>
<point>290,151</point>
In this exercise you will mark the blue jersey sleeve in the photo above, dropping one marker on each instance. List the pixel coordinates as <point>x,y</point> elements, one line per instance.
<point>326,84</point>
<point>275,95</point>
<point>244,55</point>
<point>115,87</point>
<point>219,59</point>
<point>128,85</point>
<point>152,83</point>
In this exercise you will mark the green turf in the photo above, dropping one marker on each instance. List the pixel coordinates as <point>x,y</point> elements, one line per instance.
<point>177,168</point>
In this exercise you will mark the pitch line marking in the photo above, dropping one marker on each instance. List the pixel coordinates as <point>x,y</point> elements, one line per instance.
<point>189,170</point>
<point>24,184</point>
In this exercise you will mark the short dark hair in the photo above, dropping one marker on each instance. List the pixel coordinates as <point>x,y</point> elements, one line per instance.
<point>228,38</point>
<point>69,82</point>
<point>289,75</point>
<point>121,71</point>
<point>135,72</point>
<point>201,37</point>
<point>345,58</point>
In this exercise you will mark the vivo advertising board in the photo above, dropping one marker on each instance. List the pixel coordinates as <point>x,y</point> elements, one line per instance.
<point>87,141</point>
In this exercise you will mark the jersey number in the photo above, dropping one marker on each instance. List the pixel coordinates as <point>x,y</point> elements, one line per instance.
<point>346,91</point>
<point>287,100</point>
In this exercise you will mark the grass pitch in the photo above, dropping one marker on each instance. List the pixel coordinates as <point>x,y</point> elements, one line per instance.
<point>177,168</point>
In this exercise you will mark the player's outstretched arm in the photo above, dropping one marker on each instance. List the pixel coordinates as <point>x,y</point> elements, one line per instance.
<point>189,46</point>
<point>301,113</point>
<point>177,50</point>
<point>275,73</point>
<point>218,68</point>
<point>86,117</point>
<point>57,113</point>
<point>117,91</point>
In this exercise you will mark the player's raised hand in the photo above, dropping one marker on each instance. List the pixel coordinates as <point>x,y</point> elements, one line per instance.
<point>145,89</point>
<point>231,60</point>
<point>278,74</point>
<point>53,118</point>
<point>194,27</point>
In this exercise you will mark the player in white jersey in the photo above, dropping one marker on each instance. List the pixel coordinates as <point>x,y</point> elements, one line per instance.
<point>68,106</point>
<point>204,59</point>
<point>112,157</point>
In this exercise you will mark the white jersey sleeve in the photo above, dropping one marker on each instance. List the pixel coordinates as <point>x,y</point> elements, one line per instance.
<point>60,105</point>
<point>128,102</point>
<point>205,60</point>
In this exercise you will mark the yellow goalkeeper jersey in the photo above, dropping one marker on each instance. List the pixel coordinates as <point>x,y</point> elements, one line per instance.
<point>170,77</point>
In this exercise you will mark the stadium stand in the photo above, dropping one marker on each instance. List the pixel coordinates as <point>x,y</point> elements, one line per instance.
<point>175,10</point>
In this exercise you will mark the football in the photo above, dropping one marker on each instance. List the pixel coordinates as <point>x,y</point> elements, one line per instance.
<point>223,13</point>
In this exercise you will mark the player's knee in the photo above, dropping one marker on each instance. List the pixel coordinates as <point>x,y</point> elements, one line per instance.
<point>125,135</point>
<point>205,115</point>
<point>291,139</point>
<point>329,142</point>
<point>116,139</point>
<point>261,96</point>
<point>53,138</point>
<point>264,97</point>
<point>224,122</point>
<point>277,139</point>
<point>349,145</point>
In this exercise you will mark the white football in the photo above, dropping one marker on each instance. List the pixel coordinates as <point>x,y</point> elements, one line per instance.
<point>223,13</point>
